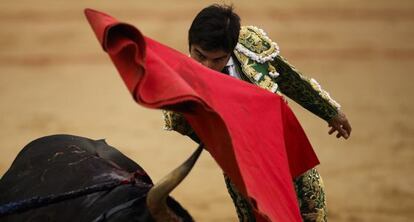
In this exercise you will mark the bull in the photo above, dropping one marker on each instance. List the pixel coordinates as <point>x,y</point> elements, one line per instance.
<point>72,178</point>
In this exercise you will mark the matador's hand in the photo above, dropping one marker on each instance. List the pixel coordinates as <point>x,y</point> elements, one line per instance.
<point>340,123</point>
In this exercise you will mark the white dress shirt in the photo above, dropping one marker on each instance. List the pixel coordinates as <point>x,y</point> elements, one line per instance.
<point>231,67</point>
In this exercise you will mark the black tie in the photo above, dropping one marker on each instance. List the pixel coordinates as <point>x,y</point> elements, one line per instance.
<point>226,70</point>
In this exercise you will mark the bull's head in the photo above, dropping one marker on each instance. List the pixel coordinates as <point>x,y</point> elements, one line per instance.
<point>62,165</point>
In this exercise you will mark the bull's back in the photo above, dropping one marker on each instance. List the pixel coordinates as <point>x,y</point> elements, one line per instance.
<point>62,163</point>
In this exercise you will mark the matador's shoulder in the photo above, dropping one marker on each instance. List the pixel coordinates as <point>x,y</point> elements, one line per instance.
<point>255,51</point>
<point>254,43</point>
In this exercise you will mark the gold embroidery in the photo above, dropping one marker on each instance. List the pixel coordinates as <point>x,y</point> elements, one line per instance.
<point>257,43</point>
<point>325,95</point>
<point>254,40</point>
<point>266,83</point>
<point>263,80</point>
<point>299,88</point>
<point>177,122</point>
<point>310,191</point>
<point>247,68</point>
<point>271,68</point>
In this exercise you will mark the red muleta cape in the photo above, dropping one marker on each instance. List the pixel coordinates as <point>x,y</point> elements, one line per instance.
<point>251,133</point>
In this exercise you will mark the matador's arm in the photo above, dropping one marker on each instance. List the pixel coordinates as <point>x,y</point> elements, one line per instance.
<point>310,95</point>
<point>176,121</point>
<point>262,65</point>
<point>305,91</point>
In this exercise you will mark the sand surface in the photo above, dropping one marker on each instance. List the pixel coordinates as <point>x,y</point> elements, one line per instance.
<point>55,78</point>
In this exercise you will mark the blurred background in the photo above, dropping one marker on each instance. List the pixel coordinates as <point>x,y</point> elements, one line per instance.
<point>55,78</point>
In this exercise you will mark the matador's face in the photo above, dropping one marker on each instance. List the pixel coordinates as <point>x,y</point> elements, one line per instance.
<point>215,59</point>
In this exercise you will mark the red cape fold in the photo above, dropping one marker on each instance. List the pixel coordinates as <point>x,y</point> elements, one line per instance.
<point>251,133</point>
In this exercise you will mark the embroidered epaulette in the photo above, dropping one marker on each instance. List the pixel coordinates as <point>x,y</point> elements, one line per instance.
<point>255,51</point>
<point>254,43</point>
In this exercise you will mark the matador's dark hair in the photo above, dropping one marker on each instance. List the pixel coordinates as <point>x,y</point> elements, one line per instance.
<point>215,27</point>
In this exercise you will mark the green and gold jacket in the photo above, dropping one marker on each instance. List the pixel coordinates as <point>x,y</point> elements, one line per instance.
<point>259,63</point>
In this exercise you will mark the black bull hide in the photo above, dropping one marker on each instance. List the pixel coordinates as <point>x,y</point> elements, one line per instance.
<point>61,163</point>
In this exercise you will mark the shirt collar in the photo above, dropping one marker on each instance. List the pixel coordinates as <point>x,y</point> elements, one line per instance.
<point>230,62</point>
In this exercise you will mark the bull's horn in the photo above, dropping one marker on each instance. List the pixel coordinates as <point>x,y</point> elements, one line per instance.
<point>157,196</point>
